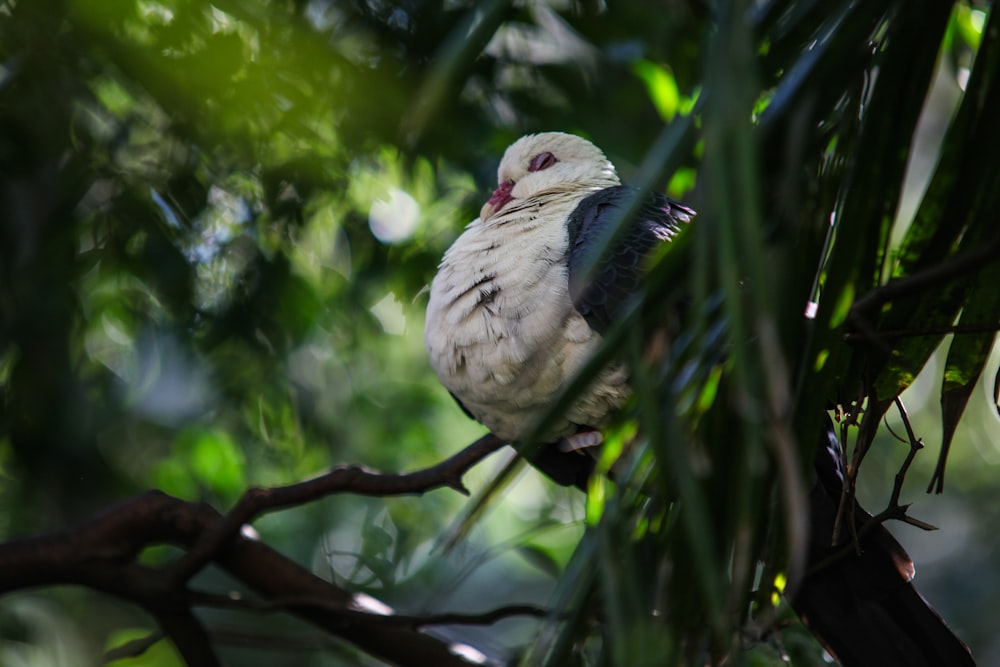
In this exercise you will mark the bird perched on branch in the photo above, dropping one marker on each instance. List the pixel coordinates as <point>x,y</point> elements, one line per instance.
<point>515,312</point>
<point>512,316</point>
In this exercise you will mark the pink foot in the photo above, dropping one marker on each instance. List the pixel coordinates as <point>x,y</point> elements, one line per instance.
<point>580,441</point>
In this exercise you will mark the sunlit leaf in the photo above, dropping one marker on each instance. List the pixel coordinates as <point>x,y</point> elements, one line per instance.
<point>842,307</point>
<point>955,215</point>
<point>173,476</point>
<point>967,357</point>
<point>661,85</point>
<point>596,497</point>
<point>682,182</point>
<point>214,460</point>
<point>160,654</point>
<point>970,22</point>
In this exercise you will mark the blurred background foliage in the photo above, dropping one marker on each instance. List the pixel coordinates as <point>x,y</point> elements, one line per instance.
<point>219,220</point>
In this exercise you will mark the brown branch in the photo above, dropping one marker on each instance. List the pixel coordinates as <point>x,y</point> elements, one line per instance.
<point>342,479</point>
<point>91,554</point>
<point>188,636</point>
<point>917,283</point>
<point>958,329</point>
<point>397,620</point>
<point>100,553</point>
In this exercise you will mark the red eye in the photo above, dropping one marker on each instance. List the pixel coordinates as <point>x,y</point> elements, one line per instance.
<point>542,161</point>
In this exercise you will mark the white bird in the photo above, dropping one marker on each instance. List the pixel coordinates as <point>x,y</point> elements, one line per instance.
<point>510,320</point>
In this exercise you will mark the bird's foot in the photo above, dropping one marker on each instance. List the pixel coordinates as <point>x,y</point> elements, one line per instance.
<point>580,441</point>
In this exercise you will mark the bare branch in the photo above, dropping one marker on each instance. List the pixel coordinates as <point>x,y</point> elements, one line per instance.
<point>917,283</point>
<point>342,479</point>
<point>100,553</point>
<point>892,511</point>
<point>396,620</point>
<point>958,329</point>
<point>915,446</point>
<point>189,636</point>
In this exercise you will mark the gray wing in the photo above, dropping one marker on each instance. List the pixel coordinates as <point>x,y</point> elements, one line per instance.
<point>618,276</point>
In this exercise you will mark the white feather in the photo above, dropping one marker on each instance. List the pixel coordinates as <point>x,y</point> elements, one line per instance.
<point>502,333</point>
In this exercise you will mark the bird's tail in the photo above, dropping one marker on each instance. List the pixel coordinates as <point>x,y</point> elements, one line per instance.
<point>863,607</point>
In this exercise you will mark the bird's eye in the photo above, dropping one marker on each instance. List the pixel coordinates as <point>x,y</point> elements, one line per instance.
<point>542,161</point>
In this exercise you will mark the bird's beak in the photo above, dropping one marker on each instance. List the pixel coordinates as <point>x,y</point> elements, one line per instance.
<point>497,201</point>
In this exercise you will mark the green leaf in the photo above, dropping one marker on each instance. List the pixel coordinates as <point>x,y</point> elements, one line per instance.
<point>955,216</point>
<point>970,23</point>
<point>967,358</point>
<point>867,199</point>
<point>172,476</point>
<point>214,460</point>
<point>541,559</point>
<point>161,654</point>
<point>661,86</point>
<point>969,352</point>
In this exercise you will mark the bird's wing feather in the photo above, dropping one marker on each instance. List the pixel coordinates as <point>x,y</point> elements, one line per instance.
<point>617,277</point>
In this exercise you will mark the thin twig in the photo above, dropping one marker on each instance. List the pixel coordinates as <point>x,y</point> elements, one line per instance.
<point>888,427</point>
<point>849,548</point>
<point>863,311</point>
<point>893,511</point>
<point>915,446</point>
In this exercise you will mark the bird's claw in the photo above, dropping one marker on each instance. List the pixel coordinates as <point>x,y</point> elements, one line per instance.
<point>580,441</point>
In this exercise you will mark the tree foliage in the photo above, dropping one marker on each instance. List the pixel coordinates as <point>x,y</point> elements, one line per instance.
<point>217,224</point>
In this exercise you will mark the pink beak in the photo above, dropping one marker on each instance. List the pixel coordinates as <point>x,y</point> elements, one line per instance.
<point>497,201</point>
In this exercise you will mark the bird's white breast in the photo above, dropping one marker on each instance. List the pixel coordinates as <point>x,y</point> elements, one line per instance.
<point>502,332</point>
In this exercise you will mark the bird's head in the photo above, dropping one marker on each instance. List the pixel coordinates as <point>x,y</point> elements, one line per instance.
<point>548,164</point>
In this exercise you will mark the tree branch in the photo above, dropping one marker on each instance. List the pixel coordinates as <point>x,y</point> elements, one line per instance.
<point>100,553</point>
<point>395,620</point>
<point>342,479</point>
<point>189,636</point>
<point>916,283</point>
<point>958,329</point>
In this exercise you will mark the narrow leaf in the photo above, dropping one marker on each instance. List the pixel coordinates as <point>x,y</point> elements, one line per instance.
<point>540,559</point>
<point>966,359</point>
<point>954,216</point>
<point>996,392</point>
<point>906,58</point>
